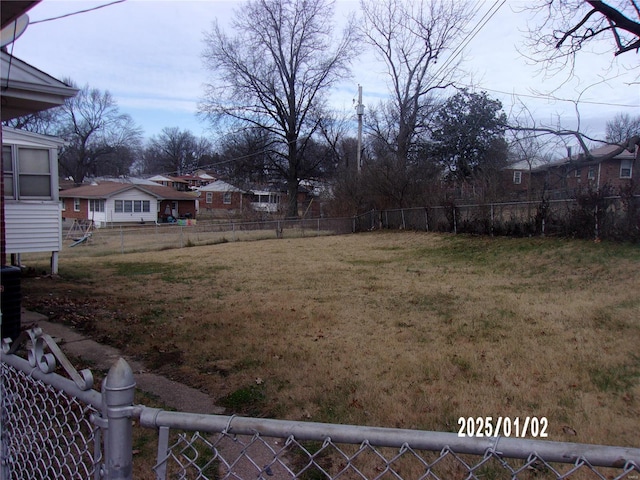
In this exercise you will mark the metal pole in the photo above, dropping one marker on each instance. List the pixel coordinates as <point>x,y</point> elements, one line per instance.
<point>118,391</point>
<point>492,219</point>
<point>360,112</point>
<point>455,221</point>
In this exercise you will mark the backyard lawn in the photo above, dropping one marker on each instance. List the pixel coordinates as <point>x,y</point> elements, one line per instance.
<point>397,329</point>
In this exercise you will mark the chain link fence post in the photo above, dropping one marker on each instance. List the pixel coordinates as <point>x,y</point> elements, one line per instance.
<point>118,392</point>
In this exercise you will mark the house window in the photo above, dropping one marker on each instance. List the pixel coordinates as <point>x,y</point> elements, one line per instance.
<point>96,205</point>
<point>626,168</point>
<point>7,168</point>
<point>76,204</point>
<point>139,205</point>
<point>226,198</point>
<point>517,177</point>
<point>63,205</point>
<point>209,197</point>
<point>578,172</point>
<point>591,175</point>
<point>27,172</point>
<point>34,172</point>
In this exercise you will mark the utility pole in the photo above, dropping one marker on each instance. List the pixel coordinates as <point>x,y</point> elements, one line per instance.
<point>360,112</point>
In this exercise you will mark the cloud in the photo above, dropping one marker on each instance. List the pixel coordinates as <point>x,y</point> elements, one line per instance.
<point>148,54</point>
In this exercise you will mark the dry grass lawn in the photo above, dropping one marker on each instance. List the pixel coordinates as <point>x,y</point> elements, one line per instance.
<point>408,330</point>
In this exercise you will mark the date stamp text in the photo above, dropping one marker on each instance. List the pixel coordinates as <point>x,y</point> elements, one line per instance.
<point>517,427</point>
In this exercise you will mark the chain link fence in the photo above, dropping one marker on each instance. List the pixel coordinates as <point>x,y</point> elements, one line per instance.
<point>54,427</point>
<point>121,239</point>
<point>584,217</point>
<point>259,448</point>
<point>587,216</point>
<point>46,433</point>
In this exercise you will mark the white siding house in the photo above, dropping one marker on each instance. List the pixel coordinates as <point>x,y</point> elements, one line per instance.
<point>129,206</point>
<point>115,203</point>
<point>31,204</point>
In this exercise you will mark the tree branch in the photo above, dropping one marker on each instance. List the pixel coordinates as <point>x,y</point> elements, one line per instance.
<point>575,29</point>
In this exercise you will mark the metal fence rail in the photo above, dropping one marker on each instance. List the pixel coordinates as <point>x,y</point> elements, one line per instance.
<point>240,448</point>
<point>56,427</point>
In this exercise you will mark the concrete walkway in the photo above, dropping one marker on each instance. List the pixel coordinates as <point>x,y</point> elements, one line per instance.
<point>101,357</point>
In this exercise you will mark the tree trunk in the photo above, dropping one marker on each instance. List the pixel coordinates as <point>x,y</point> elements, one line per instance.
<point>292,202</point>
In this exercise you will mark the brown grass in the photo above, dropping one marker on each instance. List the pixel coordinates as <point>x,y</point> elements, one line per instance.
<point>406,330</point>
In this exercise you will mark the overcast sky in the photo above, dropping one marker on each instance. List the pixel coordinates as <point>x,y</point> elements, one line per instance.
<point>148,55</point>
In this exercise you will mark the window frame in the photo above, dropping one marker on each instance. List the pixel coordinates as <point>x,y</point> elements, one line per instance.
<point>517,177</point>
<point>8,173</point>
<point>226,198</point>
<point>100,204</point>
<point>626,165</point>
<point>132,206</point>
<point>18,173</point>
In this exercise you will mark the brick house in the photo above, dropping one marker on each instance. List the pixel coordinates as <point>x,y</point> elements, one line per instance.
<point>221,198</point>
<point>126,203</point>
<point>609,165</point>
<point>173,182</point>
<point>273,199</point>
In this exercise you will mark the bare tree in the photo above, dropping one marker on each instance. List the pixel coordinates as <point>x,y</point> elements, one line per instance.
<point>177,152</point>
<point>274,72</point>
<point>45,122</point>
<point>413,38</point>
<point>93,128</point>
<point>567,27</point>
<point>622,128</point>
<point>530,148</point>
<point>244,156</point>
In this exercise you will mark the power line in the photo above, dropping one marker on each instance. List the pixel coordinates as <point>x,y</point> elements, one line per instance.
<point>77,13</point>
<point>550,97</point>
<point>490,13</point>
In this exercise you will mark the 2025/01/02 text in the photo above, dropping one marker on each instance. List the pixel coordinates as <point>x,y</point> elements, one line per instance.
<point>519,427</point>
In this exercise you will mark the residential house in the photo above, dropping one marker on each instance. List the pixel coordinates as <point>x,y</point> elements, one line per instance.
<point>608,165</point>
<point>221,198</point>
<point>267,200</point>
<point>274,198</point>
<point>173,182</point>
<point>194,181</point>
<point>31,204</point>
<point>205,177</point>
<point>30,211</point>
<point>520,181</point>
<point>126,203</point>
